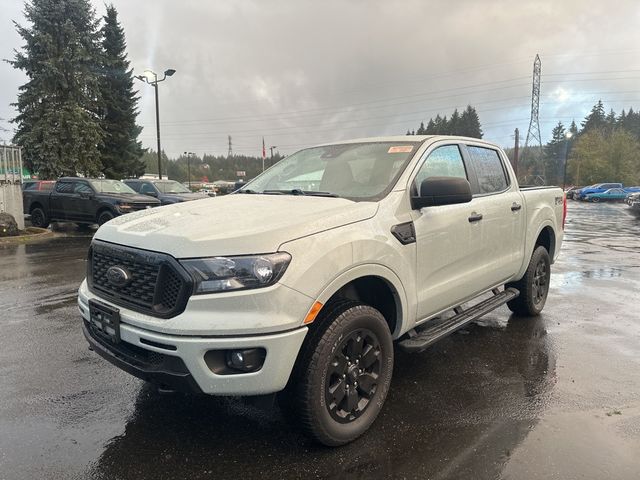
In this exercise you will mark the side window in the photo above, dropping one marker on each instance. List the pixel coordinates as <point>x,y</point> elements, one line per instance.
<point>489,170</point>
<point>82,187</point>
<point>147,188</point>
<point>64,187</point>
<point>445,161</point>
<point>134,185</point>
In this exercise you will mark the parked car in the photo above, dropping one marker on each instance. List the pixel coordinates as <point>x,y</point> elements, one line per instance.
<point>167,191</point>
<point>38,185</point>
<point>83,201</point>
<point>571,191</point>
<point>208,191</point>
<point>633,199</point>
<point>611,195</point>
<point>596,188</point>
<point>303,292</point>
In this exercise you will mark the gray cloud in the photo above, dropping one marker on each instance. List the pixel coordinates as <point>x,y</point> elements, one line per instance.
<point>303,72</point>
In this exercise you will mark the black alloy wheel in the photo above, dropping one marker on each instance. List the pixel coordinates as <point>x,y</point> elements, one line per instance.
<point>39,218</point>
<point>352,376</point>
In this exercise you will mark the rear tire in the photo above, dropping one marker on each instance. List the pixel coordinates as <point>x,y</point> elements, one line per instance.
<point>39,218</point>
<point>104,217</point>
<point>533,286</point>
<point>343,373</point>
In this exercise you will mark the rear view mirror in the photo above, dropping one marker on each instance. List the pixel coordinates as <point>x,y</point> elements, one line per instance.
<point>442,191</point>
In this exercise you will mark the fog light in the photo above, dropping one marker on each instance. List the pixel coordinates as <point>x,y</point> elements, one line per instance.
<point>246,360</point>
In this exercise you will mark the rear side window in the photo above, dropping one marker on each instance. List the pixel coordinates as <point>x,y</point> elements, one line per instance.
<point>82,188</point>
<point>147,188</point>
<point>64,187</point>
<point>134,185</point>
<point>489,170</point>
<point>445,161</point>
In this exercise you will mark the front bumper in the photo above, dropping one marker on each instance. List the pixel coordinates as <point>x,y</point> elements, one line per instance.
<point>178,361</point>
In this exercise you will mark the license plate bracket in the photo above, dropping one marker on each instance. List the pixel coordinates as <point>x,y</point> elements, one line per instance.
<point>104,321</point>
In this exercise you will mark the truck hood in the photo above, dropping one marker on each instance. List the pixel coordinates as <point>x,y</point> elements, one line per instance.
<point>233,224</point>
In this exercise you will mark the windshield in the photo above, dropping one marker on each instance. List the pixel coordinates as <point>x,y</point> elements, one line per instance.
<point>171,187</point>
<point>358,171</point>
<point>110,186</point>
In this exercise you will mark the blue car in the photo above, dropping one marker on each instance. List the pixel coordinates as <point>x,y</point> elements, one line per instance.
<point>597,188</point>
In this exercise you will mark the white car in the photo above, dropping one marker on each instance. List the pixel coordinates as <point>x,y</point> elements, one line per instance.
<point>277,288</point>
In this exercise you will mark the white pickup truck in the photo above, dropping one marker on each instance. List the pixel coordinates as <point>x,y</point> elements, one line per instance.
<point>301,281</point>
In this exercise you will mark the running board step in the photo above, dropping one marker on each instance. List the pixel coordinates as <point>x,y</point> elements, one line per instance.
<point>439,329</point>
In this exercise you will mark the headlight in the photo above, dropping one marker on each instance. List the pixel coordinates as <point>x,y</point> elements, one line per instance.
<point>124,207</point>
<point>221,274</point>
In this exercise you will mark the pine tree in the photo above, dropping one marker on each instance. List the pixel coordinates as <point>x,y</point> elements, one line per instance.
<point>555,152</point>
<point>431,128</point>
<point>455,123</point>
<point>57,122</point>
<point>421,129</point>
<point>596,118</point>
<point>121,151</point>
<point>573,129</point>
<point>470,123</point>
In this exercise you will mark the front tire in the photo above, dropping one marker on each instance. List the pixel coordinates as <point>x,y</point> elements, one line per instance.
<point>104,217</point>
<point>39,218</point>
<point>533,286</point>
<point>343,373</point>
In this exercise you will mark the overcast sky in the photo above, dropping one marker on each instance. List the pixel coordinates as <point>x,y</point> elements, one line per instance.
<point>304,72</point>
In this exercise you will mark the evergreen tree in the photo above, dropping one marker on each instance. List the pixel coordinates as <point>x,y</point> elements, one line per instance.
<point>470,123</point>
<point>596,118</point>
<point>121,151</point>
<point>455,123</point>
<point>57,122</point>
<point>421,129</point>
<point>555,152</point>
<point>431,128</point>
<point>573,129</point>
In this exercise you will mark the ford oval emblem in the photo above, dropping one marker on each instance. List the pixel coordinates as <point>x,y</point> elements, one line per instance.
<point>118,276</point>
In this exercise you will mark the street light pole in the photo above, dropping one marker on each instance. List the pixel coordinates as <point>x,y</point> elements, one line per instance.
<point>151,78</point>
<point>189,154</point>
<point>155,87</point>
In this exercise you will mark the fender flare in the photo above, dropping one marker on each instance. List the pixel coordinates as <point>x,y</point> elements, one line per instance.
<point>373,270</point>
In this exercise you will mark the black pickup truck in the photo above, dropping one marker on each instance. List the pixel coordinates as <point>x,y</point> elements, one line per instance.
<point>83,201</point>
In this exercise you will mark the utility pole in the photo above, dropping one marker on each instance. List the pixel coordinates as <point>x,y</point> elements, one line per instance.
<point>516,152</point>
<point>230,151</point>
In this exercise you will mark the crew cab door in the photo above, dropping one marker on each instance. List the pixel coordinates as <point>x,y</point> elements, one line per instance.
<point>500,236</point>
<point>84,203</point>
<point>447,241</point>
<point>59,200</point>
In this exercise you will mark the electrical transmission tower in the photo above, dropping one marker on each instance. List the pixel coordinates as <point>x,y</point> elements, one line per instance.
<point>533,134</point>
<point>230,151</point>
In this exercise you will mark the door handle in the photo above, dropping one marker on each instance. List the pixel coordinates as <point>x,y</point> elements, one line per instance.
<point>515,207</point>
<point>475,217</point>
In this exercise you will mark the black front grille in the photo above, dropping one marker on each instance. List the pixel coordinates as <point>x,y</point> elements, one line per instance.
<point>158,285</point>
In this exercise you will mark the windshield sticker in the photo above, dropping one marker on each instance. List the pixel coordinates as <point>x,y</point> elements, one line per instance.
<point>401,149</point>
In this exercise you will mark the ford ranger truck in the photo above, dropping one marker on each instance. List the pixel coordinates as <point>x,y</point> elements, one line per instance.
<point>301,281</point>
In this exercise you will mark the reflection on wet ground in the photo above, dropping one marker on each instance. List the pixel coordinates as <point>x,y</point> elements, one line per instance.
<point>553,396</point>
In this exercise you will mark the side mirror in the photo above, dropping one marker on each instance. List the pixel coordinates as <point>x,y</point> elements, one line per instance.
<point>442,191</point>
<point>151,194</point>
<point>86,195</point>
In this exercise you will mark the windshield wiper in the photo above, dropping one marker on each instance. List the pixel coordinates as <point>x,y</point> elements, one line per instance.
<point>298,191</point>
<point>246,190</point>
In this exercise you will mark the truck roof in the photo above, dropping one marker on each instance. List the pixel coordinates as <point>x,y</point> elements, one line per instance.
<point>404,138</point>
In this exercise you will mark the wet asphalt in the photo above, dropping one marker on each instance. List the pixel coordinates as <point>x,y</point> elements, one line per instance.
<point>557,396</point>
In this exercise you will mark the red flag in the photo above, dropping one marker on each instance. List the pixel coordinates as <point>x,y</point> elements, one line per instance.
<point>264,150</point>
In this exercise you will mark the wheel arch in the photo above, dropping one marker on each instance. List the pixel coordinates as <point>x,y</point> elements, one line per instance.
<point>376,286</point>
<point>105,208</point>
